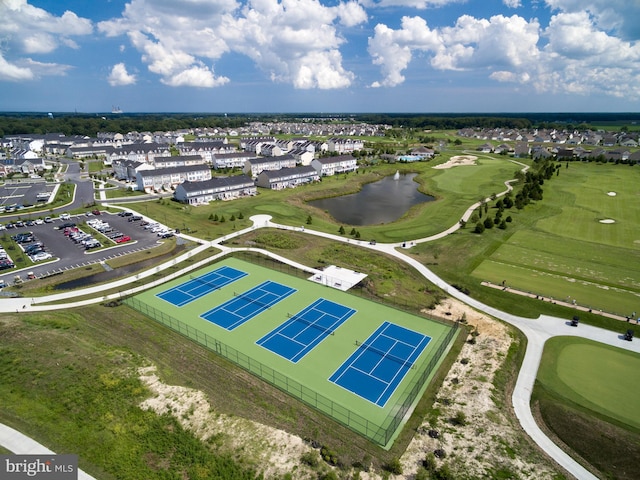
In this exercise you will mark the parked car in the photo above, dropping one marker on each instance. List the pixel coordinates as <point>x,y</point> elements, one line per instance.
<point>96,212</point>
<point>48,220</point>
<point>6,263</point>
<point>122,239</point>
<point>65,216</point>
<point>38,257</point>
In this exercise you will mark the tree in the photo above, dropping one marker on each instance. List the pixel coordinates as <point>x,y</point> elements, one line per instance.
<point>353,231</point>
<point>479,228</point>
<point>503,225</point>
<point>488,223</point>
<point>309,220</point>
<point>341,230</point>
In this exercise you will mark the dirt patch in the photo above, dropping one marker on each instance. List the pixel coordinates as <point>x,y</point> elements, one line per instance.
<point>458,161</point>
<point>273,452</point>
<point>489,438</point>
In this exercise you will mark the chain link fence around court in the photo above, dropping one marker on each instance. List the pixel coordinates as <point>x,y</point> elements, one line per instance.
<point>379,434</point>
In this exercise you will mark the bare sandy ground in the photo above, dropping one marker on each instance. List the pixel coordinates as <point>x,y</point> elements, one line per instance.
<point>458,161</point>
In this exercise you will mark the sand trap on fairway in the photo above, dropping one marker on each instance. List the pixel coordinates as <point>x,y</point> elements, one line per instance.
<point>612,194</point>
<point>458,161</point>
<point>607,220</point>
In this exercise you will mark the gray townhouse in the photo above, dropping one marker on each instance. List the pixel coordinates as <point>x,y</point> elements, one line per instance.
<point>217,188</point>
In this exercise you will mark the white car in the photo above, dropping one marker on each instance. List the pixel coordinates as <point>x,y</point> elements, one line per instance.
<point>38,221</point>
<point>65,216</point>
<point>38,257</point>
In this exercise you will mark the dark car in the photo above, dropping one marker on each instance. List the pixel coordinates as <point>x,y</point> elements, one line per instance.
<point>629,335</point>
<point>575,320</point>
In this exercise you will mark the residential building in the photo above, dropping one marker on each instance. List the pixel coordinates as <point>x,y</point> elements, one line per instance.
<point>254,166</point>
<point>287,177</point>
<point>169,178</point>
<point>328,166</point>
<point>217,188</point>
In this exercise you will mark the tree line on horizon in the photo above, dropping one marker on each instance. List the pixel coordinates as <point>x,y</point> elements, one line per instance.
<point>13,123</point>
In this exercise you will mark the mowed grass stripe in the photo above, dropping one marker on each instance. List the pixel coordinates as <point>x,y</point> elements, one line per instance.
<point>560,287</point>
<point>620,271</point>
<point>595,376</point>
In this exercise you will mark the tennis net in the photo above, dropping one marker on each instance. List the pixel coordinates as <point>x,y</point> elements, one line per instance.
<point>402,361</point>
<point>202,281</point>
<point>249,299</point>
<point>297,318</point>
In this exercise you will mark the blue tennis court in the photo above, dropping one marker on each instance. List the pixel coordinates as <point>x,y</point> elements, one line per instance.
<point>245,306</point>
<point>200,286</point>
<point>306,329</point>
<point>378,365</point>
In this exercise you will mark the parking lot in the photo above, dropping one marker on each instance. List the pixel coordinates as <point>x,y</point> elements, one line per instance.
<point>128,235</point>
<point>25,192</point>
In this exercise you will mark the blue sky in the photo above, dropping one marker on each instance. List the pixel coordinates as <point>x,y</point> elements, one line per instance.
<point>236,56</point>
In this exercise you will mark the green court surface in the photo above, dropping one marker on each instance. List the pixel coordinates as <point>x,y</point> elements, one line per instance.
<point>307,379</point>
<point>597,377</point>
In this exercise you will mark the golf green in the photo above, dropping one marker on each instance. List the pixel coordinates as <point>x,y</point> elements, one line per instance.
<point>597,377</point>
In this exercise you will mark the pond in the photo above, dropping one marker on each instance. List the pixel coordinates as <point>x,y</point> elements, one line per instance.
<point>384,201</point>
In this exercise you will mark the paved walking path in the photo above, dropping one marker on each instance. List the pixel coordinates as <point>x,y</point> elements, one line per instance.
<point>537,331</point>
<point>20,444</point>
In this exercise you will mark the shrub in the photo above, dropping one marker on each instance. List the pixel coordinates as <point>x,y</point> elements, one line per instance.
<point>394,467</point>
<point>310,458</point>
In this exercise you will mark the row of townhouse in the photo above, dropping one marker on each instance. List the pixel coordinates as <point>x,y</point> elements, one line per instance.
<point>169,178</point>
<point>288,175</point>
<point>207,150</point>
<point>136,152</point>
<point>325,166</point>
<point>30,166</point>
<point>218,188</point>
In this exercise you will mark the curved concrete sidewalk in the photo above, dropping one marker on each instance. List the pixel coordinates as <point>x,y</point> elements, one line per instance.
<point>20,444</point>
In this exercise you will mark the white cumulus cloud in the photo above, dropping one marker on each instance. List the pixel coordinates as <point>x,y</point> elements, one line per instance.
<point>28,30</point>
<point>571,55</point>
<point>119,76</point>
<point>292,41</point>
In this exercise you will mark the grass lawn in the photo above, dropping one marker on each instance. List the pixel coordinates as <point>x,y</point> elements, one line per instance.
<point>588,394</point>
<point>558,247</point>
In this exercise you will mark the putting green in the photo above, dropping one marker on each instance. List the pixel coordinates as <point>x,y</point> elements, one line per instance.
<point>597,377</point>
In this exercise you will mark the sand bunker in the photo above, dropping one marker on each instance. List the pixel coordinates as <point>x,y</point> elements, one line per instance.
<point>611,194</point>
<point>607,220</point>
<point>458,161</point>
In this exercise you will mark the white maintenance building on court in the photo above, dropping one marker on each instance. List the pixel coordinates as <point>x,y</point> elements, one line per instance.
<point>338,277</point>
